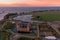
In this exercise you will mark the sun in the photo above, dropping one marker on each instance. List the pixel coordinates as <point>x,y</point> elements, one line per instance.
<point>6,1</point>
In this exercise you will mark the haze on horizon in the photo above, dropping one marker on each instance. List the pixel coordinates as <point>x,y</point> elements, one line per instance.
<point>29,2</point>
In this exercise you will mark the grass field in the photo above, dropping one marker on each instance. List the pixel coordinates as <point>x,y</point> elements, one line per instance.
<point>2,35</point>
<point>48,15</point>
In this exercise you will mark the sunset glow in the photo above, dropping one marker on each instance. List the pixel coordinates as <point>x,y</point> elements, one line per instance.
<point>29,2</point>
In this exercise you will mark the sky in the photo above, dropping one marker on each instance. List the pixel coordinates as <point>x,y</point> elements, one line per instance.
<point>29,2</point>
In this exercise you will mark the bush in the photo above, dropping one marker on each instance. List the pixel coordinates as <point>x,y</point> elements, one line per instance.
<point>37,18</point>
<point>23,38</point>
<point>9,25</point>
<point>10,15</point>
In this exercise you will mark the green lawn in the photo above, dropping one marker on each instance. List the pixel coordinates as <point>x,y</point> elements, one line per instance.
<point>50,17</point>
<point>47,16</point>
<point>23,38</point>
<point>2,35</point>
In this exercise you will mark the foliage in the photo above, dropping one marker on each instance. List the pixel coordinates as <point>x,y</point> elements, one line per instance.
<point>48,17</point>
<point>3,35</point>
<point>23,38</point>
<point>37,18</point>
<point>10,15</point>
<point>57,35</point>
<point>9,25</point>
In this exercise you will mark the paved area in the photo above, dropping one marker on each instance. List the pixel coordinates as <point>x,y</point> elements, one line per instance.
<point>54,27</point>
<point>16,36</point>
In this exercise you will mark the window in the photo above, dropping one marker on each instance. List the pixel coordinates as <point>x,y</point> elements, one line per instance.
<point>22,25</point>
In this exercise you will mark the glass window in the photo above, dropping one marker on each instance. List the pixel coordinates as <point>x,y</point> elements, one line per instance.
<point>22,25</point>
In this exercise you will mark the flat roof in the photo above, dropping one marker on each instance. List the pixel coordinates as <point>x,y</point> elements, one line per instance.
<point>50,37</point>
<point>26,18</point>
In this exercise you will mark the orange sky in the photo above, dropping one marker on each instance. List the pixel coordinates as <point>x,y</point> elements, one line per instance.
<point>29,2</point>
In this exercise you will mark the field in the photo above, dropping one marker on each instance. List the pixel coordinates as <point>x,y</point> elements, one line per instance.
<point>47,15</point>
<point>3,35</point>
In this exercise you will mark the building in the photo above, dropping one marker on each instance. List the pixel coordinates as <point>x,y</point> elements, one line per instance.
<point>23,24</point>
<point>23,27</point>
<point>50,38</point>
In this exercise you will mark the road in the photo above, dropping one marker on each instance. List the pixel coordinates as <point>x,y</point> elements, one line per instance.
<point>1,28</point>
<point>38,32</point>
<point>16,36</point>
<point>9,30</point>
<point>54,27</point>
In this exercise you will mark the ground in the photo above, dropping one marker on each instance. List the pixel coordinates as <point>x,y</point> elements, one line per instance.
<point>3,35</point>
<point>23,38</point>
<point>47,15</point>
<point>41,16</point>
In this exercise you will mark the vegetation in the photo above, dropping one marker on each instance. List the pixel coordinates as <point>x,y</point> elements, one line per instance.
<point>59,29</point>
<point>47,16</point>
<point>10,15</point>
<point>37,18</point>
<point>57,35</point>
<point>3,35</point>
<point>9,25</point>
<point>23,38</point>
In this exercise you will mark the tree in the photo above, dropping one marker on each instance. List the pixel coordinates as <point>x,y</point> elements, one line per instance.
<point>9,14</point>
<point>9,25</point>
<point>24,38</point>
<point>39,18</point>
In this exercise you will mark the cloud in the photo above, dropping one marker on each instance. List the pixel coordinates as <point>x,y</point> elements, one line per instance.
<point>30,2</point>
